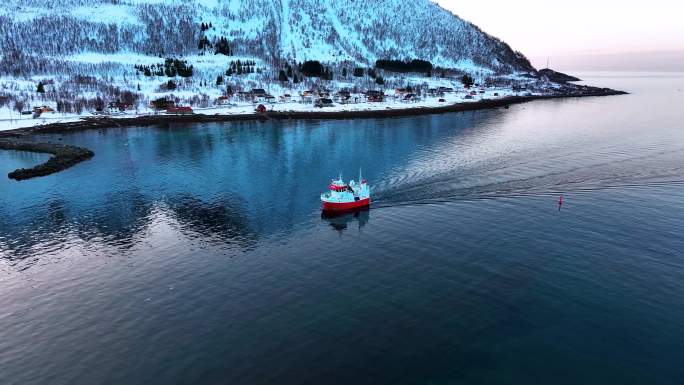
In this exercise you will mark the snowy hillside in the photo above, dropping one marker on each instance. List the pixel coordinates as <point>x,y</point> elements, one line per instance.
<point>81,57</point>
<point>292,30</point>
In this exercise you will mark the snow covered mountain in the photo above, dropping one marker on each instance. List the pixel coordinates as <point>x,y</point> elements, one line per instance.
<point>35,33</point>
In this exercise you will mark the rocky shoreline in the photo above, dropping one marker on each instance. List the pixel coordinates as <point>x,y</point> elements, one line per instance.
<point>112,122</point>
<point>67,156</point>
<point>64,156</point>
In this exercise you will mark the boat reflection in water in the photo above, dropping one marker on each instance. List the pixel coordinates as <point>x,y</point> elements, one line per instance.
<point>342,220</point>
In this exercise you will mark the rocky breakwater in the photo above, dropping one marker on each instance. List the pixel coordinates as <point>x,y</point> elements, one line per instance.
<point>64,156</point>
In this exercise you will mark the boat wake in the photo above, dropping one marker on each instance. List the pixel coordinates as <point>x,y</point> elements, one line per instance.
<point>385,202</point>
<point>520,180</point>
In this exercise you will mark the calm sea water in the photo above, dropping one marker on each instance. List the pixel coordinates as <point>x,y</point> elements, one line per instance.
<point>196,254</point>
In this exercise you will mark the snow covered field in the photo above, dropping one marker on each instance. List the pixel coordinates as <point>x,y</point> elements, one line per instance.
<point>10,119</point>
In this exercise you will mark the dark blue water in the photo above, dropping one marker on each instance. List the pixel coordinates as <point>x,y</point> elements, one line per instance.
<point>197,255</point>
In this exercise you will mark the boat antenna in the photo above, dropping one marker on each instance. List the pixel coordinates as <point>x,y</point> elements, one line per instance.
<point>359,176</point>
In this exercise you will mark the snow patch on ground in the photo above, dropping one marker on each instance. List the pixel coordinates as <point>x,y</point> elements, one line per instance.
<point>13,120</point>
<point>118,57</point>
<point>106,13</point>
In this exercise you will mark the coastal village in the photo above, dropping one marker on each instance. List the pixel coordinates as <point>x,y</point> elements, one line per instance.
<point>314,96</point>
<point>212,67</point>
<point>218,75</point>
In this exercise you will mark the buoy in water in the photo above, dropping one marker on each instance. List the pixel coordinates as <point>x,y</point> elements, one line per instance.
<point>560,202</point>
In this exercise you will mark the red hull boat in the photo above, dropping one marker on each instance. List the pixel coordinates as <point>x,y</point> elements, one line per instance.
<point>333,206</point>
<point>346,196</point>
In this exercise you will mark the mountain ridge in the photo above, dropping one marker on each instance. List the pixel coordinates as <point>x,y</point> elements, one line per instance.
<point>273,30</point>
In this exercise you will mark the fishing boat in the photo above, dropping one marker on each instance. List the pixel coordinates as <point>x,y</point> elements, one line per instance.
<point>346,196</point>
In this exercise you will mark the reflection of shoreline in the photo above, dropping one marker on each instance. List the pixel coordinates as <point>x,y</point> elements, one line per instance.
<point>340,221</point>
<point>76,155</point>
<point>121,223</point>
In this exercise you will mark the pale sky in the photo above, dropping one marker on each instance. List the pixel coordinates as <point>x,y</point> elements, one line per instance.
<point>541,28</point>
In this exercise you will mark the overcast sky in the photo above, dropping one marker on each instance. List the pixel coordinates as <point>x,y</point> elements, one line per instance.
<point>541,28</point>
